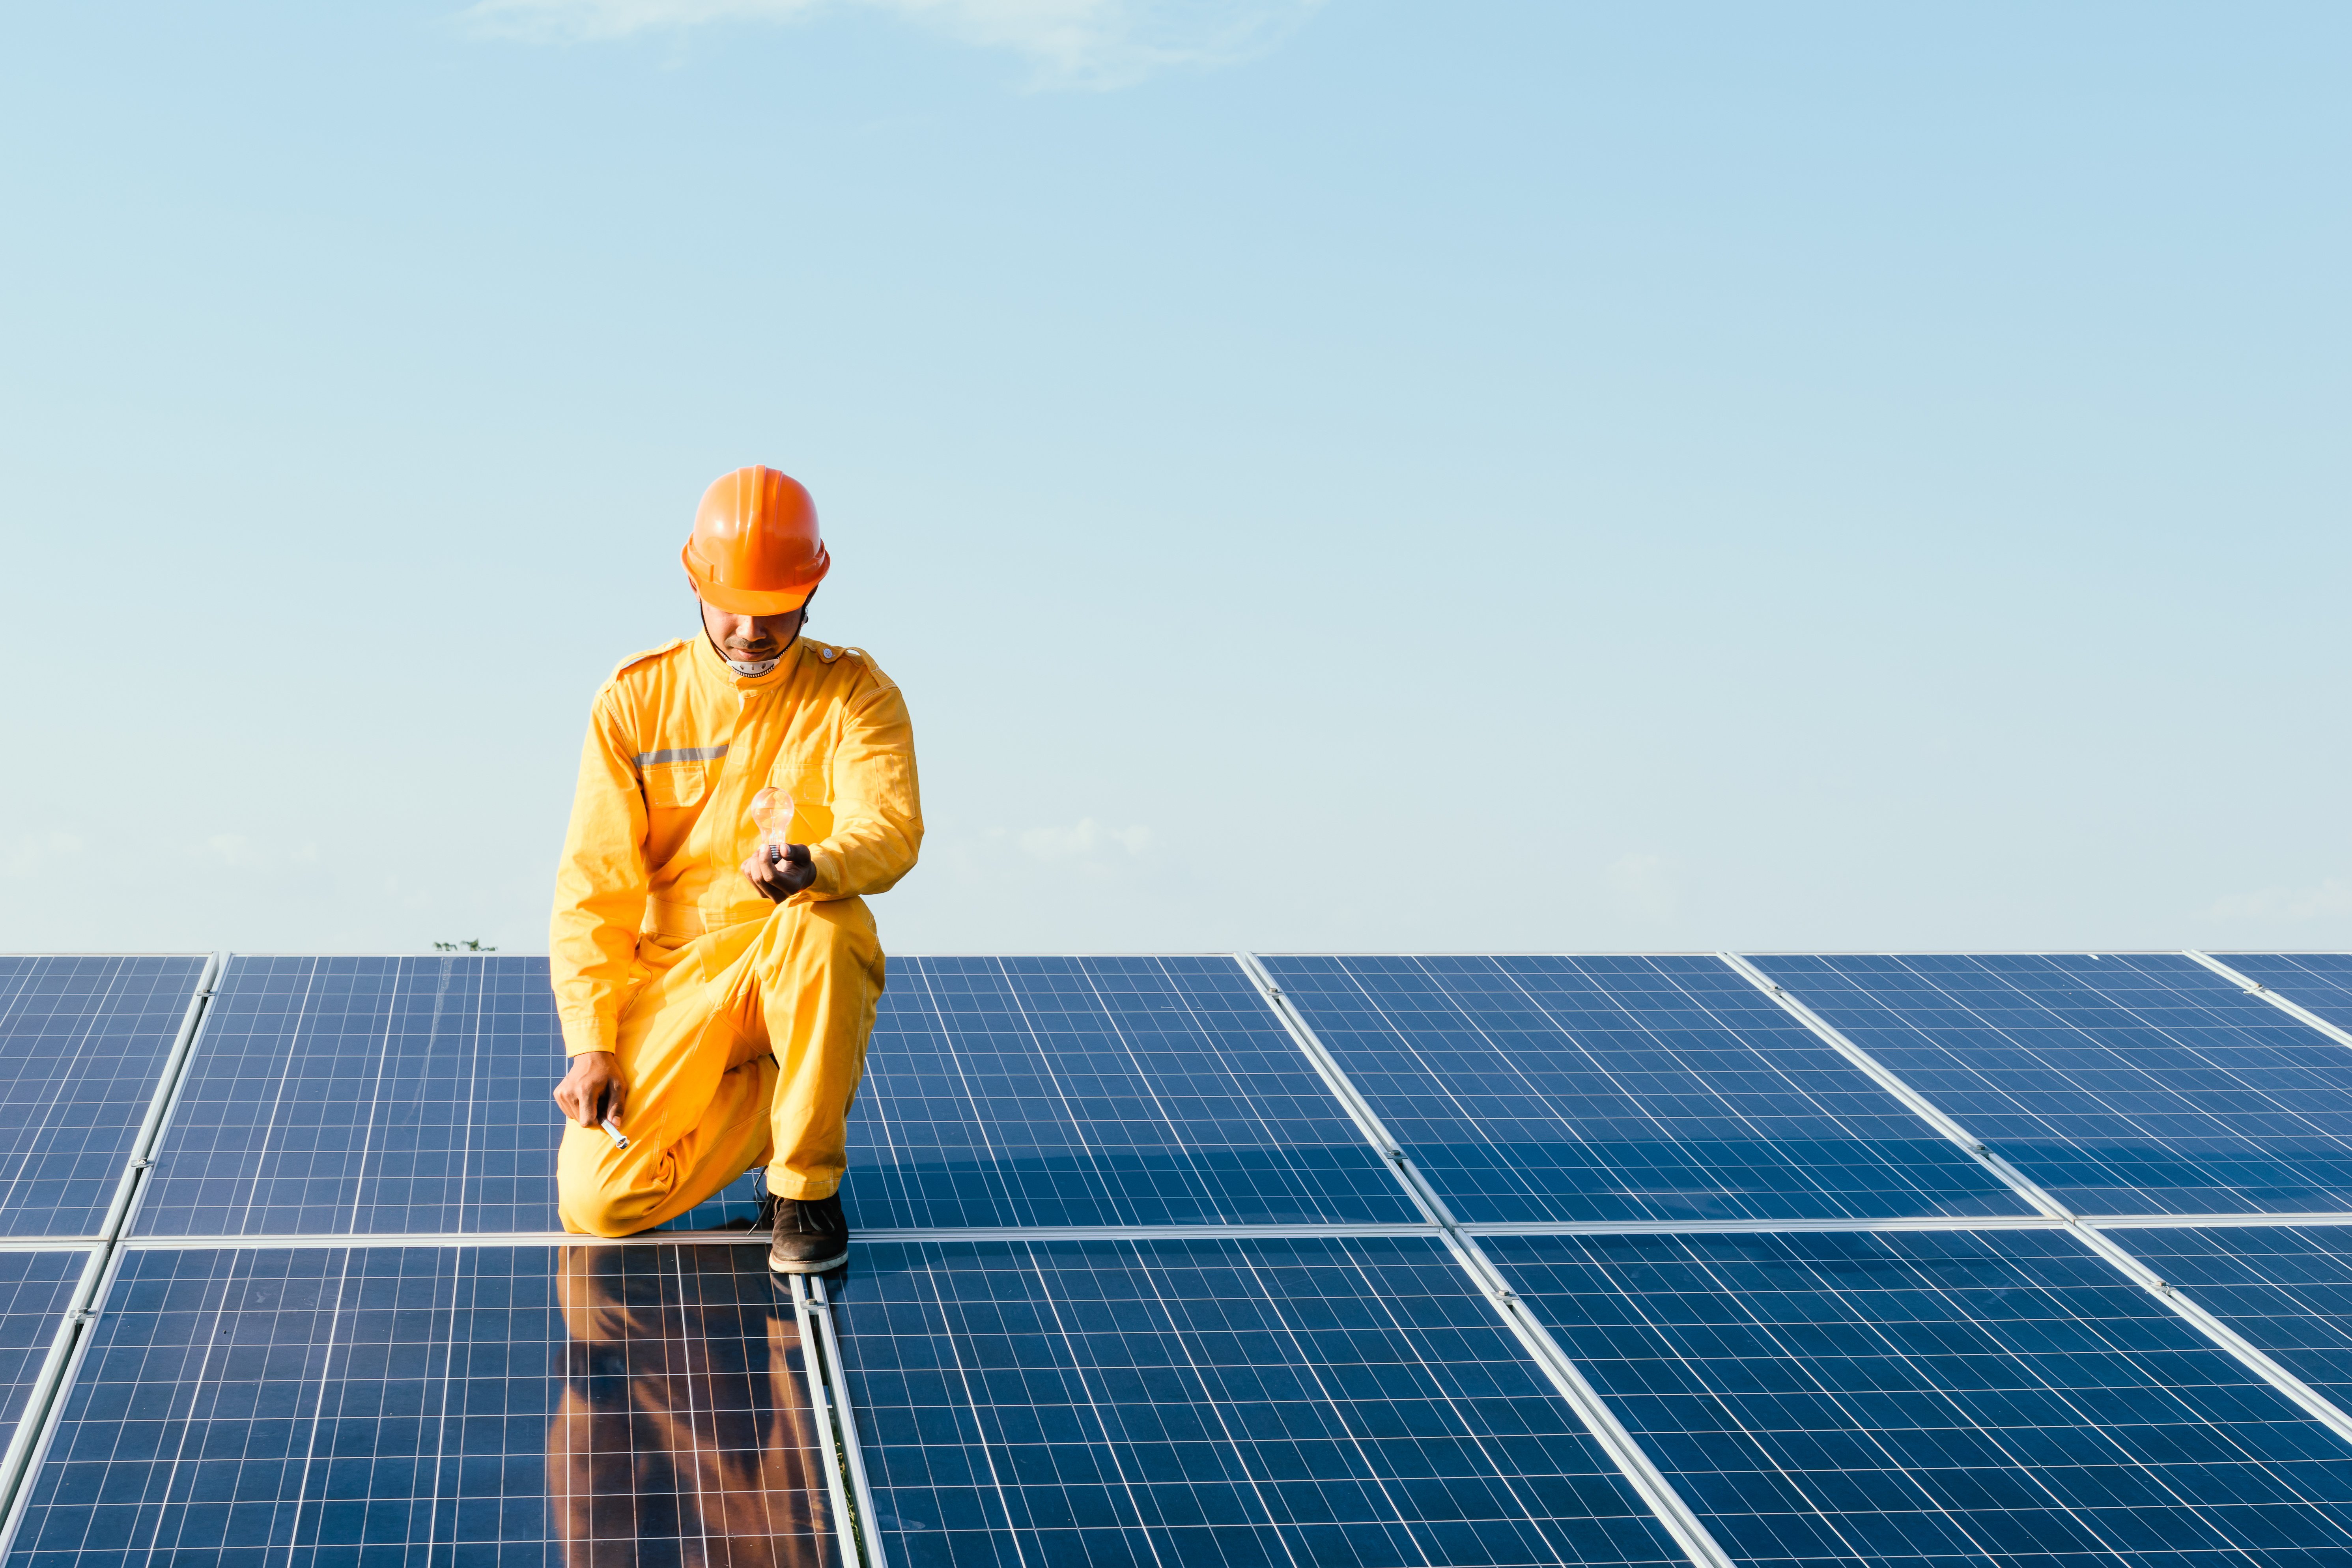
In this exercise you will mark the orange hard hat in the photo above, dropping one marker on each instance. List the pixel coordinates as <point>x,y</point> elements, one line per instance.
<point>755,550</point>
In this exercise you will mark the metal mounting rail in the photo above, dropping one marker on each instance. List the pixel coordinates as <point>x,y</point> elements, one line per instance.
<point>2209,1221</point>
<point>49,1243</point>
<point>2256,988</point>
<point>1755,1227</point>
<point>828,1430</point>
<point>1649,1483</point>
<point>855,1530</point>
<point>1240,1232</point>
<point>861,1496</point>
<point>2315,1404</point>
<point>318,1240</point>
<point>66,1348</point>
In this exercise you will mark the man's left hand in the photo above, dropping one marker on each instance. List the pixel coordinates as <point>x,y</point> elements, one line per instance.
<point>780,872</point>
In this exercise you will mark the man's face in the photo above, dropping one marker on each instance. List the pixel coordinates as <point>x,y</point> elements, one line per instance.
<point>749,639</point>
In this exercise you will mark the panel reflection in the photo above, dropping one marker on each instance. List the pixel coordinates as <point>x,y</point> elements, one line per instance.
<point>684,1432</point>
<point>515,1406</point>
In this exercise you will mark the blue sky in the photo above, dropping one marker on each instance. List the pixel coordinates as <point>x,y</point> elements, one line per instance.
<point>1356,476</point>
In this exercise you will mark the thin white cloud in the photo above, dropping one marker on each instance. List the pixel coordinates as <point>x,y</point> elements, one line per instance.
<point>1085,840</point>
<point>37,854</point>
<point>2331,897</point>
<point>1644,886</point>
<point>237,852</point>
<point>1073,43</point>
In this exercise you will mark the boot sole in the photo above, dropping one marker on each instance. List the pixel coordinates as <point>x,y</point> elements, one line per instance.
<point>807,1265</point>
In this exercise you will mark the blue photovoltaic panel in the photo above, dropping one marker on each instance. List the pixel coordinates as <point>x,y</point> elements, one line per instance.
<point>2288,1290</point>
<point>371,1096</point>
<point>1533,1088</point>
<point>484,1405</point>
<point>338,1096</point>
<point>1098,1092</point>
<point>35,1289</point>
<point>83,1041</point>
<point>2319,982</point>
<point>2128,1083</point>
<point>410,1096</point>
<point>2001,1397</point>
<point>1215,1402</point>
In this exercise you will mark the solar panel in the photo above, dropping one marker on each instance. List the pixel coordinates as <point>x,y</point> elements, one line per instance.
<point>1320,1401</point>
<point>2320,981</point>
<point>2128,1083</point>
<point>35,1289</point>
<point>2287,1291</point>
<point>83,1041</point>
<point>1935,1397</point>
<point>373,1096</point>
<point>409,1096</point>
<point>1551,1089</point>
<point>542,1405</point>
<point>336,1096</point>
<point>1098,1092</point>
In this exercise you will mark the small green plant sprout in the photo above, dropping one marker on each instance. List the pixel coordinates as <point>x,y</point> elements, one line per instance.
<point>471,944</point>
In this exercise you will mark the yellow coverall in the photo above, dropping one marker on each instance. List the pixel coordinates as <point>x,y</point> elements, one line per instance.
<point>741,1024</point>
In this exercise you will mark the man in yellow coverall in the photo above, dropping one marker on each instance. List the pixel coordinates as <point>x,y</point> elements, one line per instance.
<point>716,991</point>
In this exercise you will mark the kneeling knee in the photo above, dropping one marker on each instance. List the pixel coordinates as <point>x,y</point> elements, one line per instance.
<point>605,1211</point>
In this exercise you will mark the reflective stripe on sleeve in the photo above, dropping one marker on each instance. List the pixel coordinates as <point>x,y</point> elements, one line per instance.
<point>680,754</point>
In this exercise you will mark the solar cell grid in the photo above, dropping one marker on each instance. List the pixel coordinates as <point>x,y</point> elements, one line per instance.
<point>376,1096</point>
<point>2288,1290</point>
<point>1623,1089</point>
<point>1262,1402</point>
<point>2321,981</point>
<point>2128,1083</point>
<point>467,1404</point>
<point>1028,1091</point>
<point>83,1041</point>
<point>342,1095</point>
<point>35,1289</point>
<point>1990,1397</point>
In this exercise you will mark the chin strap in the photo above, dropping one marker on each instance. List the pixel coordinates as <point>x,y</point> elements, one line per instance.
<point>749,668</point>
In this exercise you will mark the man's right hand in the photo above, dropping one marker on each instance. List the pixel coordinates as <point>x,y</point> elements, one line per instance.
<point>595,1079</point>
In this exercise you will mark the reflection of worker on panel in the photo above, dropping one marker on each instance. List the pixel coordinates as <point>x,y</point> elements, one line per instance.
<point>717,978</point>
<point>683,1434</point>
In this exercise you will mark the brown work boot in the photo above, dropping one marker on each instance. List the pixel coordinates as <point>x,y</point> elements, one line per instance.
<point>811,1235</point>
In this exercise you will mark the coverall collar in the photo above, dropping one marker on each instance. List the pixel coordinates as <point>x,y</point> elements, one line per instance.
<point>709,660</point>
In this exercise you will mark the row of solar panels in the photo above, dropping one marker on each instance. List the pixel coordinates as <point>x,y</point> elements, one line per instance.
<point>1998,1394</point>
<point>1945,1397</point>
<point>408,1096</point>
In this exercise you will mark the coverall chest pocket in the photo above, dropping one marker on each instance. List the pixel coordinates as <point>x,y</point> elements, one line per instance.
<point>671,786</point>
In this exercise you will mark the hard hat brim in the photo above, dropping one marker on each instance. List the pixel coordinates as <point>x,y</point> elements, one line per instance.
<point>745,601</point>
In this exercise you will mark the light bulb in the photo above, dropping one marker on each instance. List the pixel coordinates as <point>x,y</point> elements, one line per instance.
<point>772,813</point>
